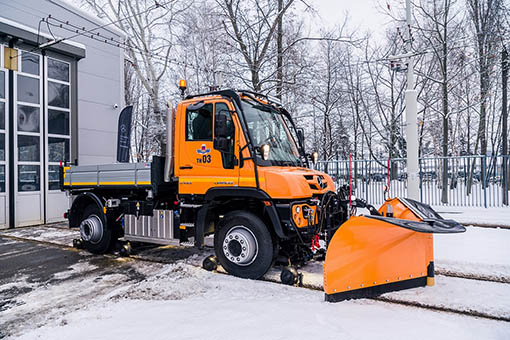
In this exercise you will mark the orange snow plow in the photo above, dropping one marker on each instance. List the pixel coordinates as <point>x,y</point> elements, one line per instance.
<point>389,250</point>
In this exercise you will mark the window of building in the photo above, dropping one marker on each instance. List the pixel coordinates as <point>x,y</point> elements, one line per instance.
<point>29,177</point>
<point>28,89</point>
<point>28,118</point>
<point>58,70</point>
<point>29,63</point>
<point>58,118</point>
<point>28,122</point>
<point>2,85</point>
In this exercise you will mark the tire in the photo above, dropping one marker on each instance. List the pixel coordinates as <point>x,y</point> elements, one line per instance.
<point>236,230</point>
<point>96,236</point>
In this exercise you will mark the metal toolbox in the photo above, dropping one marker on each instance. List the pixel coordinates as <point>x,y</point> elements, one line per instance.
<point>158,228</point>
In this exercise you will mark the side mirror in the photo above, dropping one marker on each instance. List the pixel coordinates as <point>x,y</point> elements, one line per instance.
<point>301,136</point>
<point>221,144</point>
<point>220,124</point>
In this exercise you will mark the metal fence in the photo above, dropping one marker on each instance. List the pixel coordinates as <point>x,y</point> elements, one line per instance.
<point>457,181</point>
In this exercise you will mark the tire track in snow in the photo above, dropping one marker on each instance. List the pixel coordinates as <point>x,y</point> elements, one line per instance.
<point>470,276</point>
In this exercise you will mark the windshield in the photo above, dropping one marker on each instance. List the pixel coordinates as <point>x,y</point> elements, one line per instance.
<point>267,126</point>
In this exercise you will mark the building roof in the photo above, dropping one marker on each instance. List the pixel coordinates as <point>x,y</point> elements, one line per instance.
<point>42,34</point>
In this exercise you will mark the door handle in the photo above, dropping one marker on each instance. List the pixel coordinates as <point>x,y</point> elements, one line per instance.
<point>186,167</point>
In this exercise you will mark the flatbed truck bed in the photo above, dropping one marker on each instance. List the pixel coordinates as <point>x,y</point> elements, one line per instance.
<point>136,175</point>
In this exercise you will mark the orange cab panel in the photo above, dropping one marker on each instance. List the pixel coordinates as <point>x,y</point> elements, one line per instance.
<point>198,165</point>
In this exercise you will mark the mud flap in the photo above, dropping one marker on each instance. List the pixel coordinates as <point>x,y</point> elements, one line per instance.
<point>372,255</point>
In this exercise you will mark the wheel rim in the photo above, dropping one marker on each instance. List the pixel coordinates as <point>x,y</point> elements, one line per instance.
<point>240,246</point>
<point>91,229</point>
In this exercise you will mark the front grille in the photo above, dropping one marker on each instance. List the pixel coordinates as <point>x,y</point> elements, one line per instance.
<point>316,182</point>
<point>313,186</point>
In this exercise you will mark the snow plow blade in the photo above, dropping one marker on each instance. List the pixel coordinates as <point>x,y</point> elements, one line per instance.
<point>372,255</point>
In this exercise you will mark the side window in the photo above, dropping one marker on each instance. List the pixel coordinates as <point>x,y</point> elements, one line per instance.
<point>199,124</point>
<point>227,157</point>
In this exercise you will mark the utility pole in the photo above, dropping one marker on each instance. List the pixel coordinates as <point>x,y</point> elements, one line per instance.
<point>504,114</point>
<point>279,49</point>
<point>411,97</point>
<point>314,129</point>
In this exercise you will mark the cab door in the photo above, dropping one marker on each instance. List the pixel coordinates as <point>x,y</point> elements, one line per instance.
<point>201,166</point>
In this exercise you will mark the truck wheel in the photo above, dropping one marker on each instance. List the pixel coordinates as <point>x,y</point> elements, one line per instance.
<point>244,245</point>
<point>97,237</point>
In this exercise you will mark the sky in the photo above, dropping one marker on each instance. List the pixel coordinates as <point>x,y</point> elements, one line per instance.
<point>364,14</point>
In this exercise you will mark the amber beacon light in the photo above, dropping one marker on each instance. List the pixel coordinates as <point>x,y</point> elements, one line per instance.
<point>182,86</point>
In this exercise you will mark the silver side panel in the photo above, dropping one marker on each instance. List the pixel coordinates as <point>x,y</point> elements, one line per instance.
<point>130,174</point>
<point>153,229</point>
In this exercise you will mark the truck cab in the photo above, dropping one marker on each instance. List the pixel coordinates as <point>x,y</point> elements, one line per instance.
<point>221,143</point>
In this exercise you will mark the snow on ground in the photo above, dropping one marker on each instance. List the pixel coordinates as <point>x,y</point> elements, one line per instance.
<point>180,301</point>
<point>76,269</point>
<point>56,233</point>
<point>478,251</point>
<point>184,302</point>
<point>37,304</point>
<point>476,215</point>
<point>489,298</point>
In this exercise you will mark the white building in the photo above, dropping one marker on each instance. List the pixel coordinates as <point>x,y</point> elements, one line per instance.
<point>59,103</point>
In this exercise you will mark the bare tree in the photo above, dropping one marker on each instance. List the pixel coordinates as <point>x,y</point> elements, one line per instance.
<point>326,92</point>
<point>252,26</point>
<point>148,26</point>
<point>439,27</point>
<point>204,46</point>
<point>486,16</point>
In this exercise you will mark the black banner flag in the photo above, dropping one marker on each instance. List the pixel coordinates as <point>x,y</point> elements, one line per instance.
<point>124,135</point>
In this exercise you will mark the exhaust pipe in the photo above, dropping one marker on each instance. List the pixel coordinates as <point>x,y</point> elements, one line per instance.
<point>169,159</point>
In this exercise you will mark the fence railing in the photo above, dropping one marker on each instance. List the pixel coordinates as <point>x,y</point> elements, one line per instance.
<point>482,181</point>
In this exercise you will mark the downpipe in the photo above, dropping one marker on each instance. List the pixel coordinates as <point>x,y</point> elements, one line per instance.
<point>169,160</point>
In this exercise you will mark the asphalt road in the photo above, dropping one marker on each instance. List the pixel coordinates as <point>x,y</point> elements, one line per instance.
<point>38,280</point>
<point>38,262</point>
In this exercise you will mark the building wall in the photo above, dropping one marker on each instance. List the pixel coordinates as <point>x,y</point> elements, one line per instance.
<point>99,76</point>
<point>29,192</point>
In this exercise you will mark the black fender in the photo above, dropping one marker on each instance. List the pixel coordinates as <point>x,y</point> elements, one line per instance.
<point>214,194</point>
<point>80,203</point>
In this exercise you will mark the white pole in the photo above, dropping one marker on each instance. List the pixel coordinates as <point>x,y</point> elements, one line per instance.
<point>169,159</point>
<point>413,184</point>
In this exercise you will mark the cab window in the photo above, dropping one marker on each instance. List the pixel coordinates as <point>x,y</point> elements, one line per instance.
<point>227,157</point>
<point>199,123</point>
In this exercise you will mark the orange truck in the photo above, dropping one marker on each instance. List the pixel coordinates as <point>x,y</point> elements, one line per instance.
<point>235,168</point>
